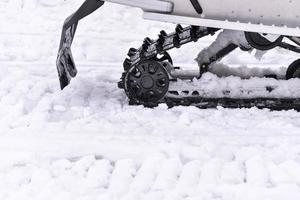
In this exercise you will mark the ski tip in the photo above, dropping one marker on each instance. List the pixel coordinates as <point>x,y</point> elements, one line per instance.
<point>64,81</point>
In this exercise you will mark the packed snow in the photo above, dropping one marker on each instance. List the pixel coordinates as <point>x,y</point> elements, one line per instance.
<point>87,143</point>
<point>212,86</point>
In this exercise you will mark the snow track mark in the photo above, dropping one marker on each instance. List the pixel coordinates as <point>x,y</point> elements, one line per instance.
<point>155,177</point>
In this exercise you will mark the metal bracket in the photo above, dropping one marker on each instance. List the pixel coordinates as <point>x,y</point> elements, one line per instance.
<point>197,6</point>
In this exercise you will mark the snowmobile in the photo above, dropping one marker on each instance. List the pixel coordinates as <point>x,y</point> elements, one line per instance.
<point>149,71</point>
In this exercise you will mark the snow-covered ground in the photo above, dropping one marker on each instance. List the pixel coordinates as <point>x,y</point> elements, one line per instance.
<point>86,142</point>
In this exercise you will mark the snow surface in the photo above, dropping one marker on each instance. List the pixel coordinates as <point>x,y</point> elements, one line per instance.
<point>86,142</point>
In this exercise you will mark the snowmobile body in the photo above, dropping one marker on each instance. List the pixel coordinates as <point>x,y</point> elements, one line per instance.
<point>149,71</point>
<point>267,16</point>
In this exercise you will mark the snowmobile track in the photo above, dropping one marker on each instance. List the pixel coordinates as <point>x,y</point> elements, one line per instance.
<point>155,51</point>
<point>260,103</point>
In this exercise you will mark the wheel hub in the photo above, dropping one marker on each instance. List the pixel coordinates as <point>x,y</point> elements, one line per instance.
<point>147,82</point>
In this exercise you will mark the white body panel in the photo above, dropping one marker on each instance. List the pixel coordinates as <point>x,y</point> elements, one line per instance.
<point>258,28</point>
<point>280,17</point>
<point>147,5</point>
<point>268,12</point>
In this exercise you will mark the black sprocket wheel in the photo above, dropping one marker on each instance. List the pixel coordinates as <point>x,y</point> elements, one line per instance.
<point>147,83</point>
<point>293,70</point>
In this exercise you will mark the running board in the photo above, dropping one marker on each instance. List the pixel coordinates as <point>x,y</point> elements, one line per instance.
<point>247,27</point>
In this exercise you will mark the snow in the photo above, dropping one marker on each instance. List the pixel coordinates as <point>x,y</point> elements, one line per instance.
<point>225,38</point>
<point>87,143</point>
<point>211,85</point>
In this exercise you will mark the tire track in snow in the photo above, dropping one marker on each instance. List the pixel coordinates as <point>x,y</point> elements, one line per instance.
<point>157,177</point>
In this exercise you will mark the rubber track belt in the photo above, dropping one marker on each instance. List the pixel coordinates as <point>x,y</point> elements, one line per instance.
<point>260,103</point>
<point>151,48</point>
<point>197,6</point>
